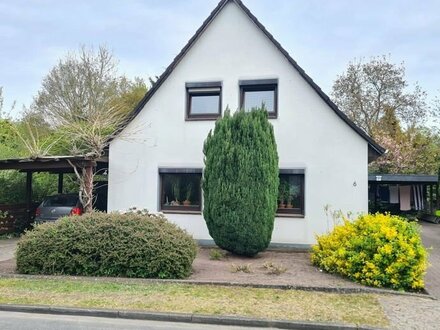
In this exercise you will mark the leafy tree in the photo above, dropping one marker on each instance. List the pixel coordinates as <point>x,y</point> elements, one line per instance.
<point>26,136</point>
<point>8,140</point>
<point>412,152</point>
<point>3,114</point>
<point>85,101</point>
<point>375,96</point>
<point>367,90</point>
<point>240,182</point>
<point>9,145</point>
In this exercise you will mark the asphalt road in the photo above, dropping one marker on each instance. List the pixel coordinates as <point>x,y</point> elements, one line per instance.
<point>30,321</point>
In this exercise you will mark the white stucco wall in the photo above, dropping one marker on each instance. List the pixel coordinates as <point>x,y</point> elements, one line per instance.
<point>308,133</point>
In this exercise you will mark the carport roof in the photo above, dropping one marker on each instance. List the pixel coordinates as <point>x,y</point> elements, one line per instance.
<point>403,178</point>
<point>55,164</point>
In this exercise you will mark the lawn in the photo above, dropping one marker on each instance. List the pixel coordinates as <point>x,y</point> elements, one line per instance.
<point>362,309</point>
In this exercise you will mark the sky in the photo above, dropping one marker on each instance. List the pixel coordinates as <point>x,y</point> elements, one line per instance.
<point>145,35</point>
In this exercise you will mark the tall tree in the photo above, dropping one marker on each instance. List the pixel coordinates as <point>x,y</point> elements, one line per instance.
<point>86,101</point>
<point>8,137</point>
<point>376,96</point>
<point>367,90</point>
<point>240,182</point>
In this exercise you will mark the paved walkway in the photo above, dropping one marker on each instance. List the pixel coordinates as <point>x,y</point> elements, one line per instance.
<point>431,239</point>
<point>7,248</point>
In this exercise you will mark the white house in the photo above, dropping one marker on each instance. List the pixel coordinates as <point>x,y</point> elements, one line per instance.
<point>233,61</point>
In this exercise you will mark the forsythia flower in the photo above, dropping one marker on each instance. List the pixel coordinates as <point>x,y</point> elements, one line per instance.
<point>376,249</point>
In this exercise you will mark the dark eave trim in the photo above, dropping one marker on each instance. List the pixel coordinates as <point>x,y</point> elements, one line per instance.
<point>402,178</point>
<point>375,148</point>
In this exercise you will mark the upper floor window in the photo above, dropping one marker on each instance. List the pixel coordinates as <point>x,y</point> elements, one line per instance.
<point>256,93</point>
<point>203,100</point>
<point>291,192</point>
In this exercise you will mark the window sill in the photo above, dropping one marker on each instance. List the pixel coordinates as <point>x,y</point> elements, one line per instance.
<point>286,215</point>
<point>180,212</point>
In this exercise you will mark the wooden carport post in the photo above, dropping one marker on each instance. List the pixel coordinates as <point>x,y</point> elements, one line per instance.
<point>88,186</point>
<point>29,195</point>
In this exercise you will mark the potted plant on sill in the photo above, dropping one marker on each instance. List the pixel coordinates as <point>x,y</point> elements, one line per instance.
<point>282,194</point>
<point>292,192</point>
<point>187,201</point>
<point>176,193</point>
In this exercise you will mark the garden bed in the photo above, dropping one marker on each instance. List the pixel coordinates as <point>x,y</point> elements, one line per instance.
<point>298,270</point>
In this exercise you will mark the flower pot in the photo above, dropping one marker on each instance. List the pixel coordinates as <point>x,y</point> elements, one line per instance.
<point>289,206</point>
<point>186,202</point>
<point>281,205</point>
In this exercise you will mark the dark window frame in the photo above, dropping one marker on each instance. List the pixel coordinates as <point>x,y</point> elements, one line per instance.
<point>296,211</point>
<point>199,86</point>
<point>191,209</point>
<point>262,85</point>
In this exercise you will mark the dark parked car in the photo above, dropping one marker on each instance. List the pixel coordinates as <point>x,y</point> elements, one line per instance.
<point>57,206</point>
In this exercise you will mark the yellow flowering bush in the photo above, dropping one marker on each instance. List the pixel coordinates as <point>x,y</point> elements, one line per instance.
<point>380,250</point>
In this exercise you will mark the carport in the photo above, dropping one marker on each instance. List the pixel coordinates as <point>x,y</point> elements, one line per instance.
<point>403,193</point>
<point>58,165</point>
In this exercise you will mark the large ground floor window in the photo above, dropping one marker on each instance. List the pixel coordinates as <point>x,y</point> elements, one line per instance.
<point>291,193</point>
<point>180,190</point>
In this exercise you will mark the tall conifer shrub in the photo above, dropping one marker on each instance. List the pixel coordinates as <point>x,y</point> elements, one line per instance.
<point>240,182</point>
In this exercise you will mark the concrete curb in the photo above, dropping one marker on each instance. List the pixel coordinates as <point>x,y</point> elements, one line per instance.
<point>179,317</point>
<point>341,290</point>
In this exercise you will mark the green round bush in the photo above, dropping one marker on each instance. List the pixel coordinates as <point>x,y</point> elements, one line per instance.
<point>240,182</point>
<point>99,244</point>
<point>379,250</point>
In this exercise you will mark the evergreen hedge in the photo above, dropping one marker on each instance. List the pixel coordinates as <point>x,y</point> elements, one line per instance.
<point>100,244</point>
<point>240,182</point>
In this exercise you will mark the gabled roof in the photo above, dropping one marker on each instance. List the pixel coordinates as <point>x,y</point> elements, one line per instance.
<point>375,149</point>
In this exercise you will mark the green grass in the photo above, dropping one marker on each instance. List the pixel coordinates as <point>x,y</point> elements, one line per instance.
<point>362,309</point>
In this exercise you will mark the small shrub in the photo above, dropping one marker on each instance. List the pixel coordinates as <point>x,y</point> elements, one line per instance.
<point>273,268</point>
<point>376,249</point>
<point>99,244</point>
<point>245,268</point>
<point>216,254</point>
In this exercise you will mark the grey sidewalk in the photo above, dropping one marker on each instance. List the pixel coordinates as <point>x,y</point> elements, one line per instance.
<point>431,239</point>
<point>7,248</point>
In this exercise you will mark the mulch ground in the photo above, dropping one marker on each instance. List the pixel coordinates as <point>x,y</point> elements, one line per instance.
<point>299,270</point>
